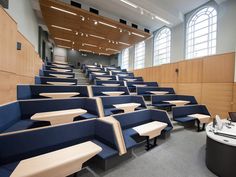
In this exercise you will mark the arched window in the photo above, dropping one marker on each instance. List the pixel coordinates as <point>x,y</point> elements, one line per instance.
<point>162,47</point>
<point>139,57</point>
<point>125,59</point>
<point>201,33</point>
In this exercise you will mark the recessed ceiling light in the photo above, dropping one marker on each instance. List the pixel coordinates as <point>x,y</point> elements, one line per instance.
<point>82,34</point>
<point>95,22</point>
<point>163,20</point>
<point>152,18</point>
<point>100,37</point>
<point>72,49</point>
<point>121,30</point>
<point>73,43</point>
<point>129,3</point>
<point>129,33</point>
<point>91,45</point>
<point>61,39</point>
<point>59,27</point>
<point>63,46</point>
<point>62,10</point>
<point>124,43</point>
<point>136,34</point>
<point>106,24</point>
<point>76,33</point>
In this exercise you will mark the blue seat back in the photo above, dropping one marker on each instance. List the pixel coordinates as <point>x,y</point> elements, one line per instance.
<point>145,90</point>
<point>53,66</point>
<point>9,114</point>
<point>49,67</point>
<point>160,98</point>
<point>93,77</point>
<point>47,73</point>
<point>44,80</point>
<point>122,78</point>
<point>129,74</point>
<point>99,82</point>
<point>32,91</point>
<point>50,63</point>
<point>161,116</point>
<point>190,109</point>
<point>108,102</point>
<point>97,90</point>
<point>149,84</point>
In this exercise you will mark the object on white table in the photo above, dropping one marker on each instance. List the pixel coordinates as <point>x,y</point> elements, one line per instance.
<point>139,85</point>
<point>60,163</point>
<point>98,73</point>
<point>111,85</point>
<point>201,117</point>
<point>127,107</point>
<point>61,83</point>
<point>116,71</point>
<point>219,123</point>
<point>178,102</point>
<point>104,78</point>
<point>115,93</point>
<point>151,129</point>
<point>60,75</point>
<point>59,117</point>
<point>60,95</point>
<point>130,80</point>
<point>61,70</point>
<point>158,92</point>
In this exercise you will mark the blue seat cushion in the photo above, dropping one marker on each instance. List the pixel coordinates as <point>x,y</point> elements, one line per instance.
<point>129,141</point>
<point>85,116</point>
<point>184,119</point>
<point>107,151</point>
<point>5,173</point>
<point>163,104</point>
<point>167,129</point>
<point>6,170</point>
<point>26,124</point>
<point>110,111</point>
<point>140,108</point>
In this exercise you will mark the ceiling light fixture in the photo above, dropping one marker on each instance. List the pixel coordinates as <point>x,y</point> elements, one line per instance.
<point>141,11</point>
<point>91,45</point>
<point>59,27</point>
<point>129,3</point>
<point>163,20</point>
<point>136,34</point>
<point>83,50</point>
<point>106,24</point>
<point>61,39</point>
<point>95,22</point>
<point>112,49</point>
<point>124,43</point>
<point>121,30</point>
<point>62,10</point>
<point>63,46</point>
<point>99,37</point>
<point>76,33</point>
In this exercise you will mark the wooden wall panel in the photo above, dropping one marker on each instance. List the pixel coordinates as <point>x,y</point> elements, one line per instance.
<point>8,32</point>
<point>234,98</point>
<point>194,89</point>
<point>172,85</point>
<point>168,74</point>
<point>219,68</point>
<point>218,97</point>
<point>190,71</point>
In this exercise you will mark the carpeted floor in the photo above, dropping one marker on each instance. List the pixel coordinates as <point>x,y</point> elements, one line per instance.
<point>181,155</point>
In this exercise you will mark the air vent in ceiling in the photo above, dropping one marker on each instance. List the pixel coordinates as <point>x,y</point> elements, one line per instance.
<point>123,21</point>
<point>146,30</point>
<point>76,4</point>
<point>95,11</point>
<point>134,26</point>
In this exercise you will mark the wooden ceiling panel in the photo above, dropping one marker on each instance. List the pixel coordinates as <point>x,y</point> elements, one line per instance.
<point>80,29</point>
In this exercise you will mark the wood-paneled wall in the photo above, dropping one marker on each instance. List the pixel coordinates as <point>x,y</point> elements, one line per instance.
<point>210,79</point>
<point>16,66</point>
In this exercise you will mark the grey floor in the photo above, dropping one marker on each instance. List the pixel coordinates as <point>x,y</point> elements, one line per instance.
<point>181,155</point>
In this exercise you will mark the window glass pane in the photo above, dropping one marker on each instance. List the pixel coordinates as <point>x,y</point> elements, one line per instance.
<point>125,59</point>
<point>139,59</point>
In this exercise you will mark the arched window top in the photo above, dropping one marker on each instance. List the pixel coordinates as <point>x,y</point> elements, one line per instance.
<point>201,33</point>
<point>162,46</point>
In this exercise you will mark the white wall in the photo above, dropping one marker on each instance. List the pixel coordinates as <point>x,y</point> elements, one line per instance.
<point>60,54</point>
<point>22,12</point>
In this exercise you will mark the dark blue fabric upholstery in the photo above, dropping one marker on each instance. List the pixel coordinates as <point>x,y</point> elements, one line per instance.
<point>32,91</point>
<point>99,82</point>
<point>93,77</point>
<point>97,90</point>
<point>108,102</point>
<point>50,63</point>
<point>144,91</point>
<point>47,73</point>
<point>115,73</point>
<point>180,114</point>
<point>5,173</point>
<point>132,88</point>
<point>122,78</point>
<point>48,67</point>
<point>133,119</point>
<point>88,72</point>
<point>44,80</point>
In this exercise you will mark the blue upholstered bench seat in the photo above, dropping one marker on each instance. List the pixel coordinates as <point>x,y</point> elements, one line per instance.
<point>163,104</point>
<point>129,141</point>
<point>110,111</point>
<point>26,124</point>
<point>107,151</point>
<point>5,173</point>
<point>185,119</point>
<point>6,170</point>
<point>85,116</point>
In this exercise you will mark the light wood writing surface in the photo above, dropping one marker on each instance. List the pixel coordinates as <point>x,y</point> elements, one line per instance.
<point>201,117</point>
<point>59,117</point>
<point>98,73</point>
<point>130,80</point>
<point>61,66</point>
<point>60,95</point>
<point>104,78</point>
<point>151,129</point>
<point>60,70</point>
<point>60,163</point>
<point>177,102</point>
<point>158,92</point>
<point>139,85</point>
<point>111,85</point>
<point>60,75</point>
<point>113,93</point>
<point>61,62</point>
<point>127,107</point>
<point>61,83</point>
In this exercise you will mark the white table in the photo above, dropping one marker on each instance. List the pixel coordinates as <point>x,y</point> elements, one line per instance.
<point>113,93</point>
<point>139,85</point>
<point>104,78</point>
<point>61,83</point>
<point>177,102</point>
<point>61,62</point>
<point>158,92</point>
<point>60,95</point>
<point>59,117</point>
<point>122,75</point>
<point>61,70</point>
<point>127,107</point>
<point>130,80</point>
<point>111,85</point>
<point>150,130</point>
<point>61,66</point>
<point>98,73</point>
<point>201,117</point>
<point>116,71</point>
<point>60,163</point>
<point>60,75</point>
<point>93,69</point>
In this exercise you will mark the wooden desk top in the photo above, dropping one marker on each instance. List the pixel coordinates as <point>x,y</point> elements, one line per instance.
<point>177,102</point>
<point>93,69</point>
<point>60,75</point>
<point>201,117</point>
<point>122,75</point>
<point>158,92</point>
<point>111,85</point>
<point>130,80</point>
<point>113,93</point>
<point>59,117</point>
<point>61,66</point>
<point>61,83</point>
<point>139,85</point>
<point>60,163</point>
<point>60,94</point>
<point>61,70</point>
<point>151,129</point>
<point>125,105</point>
<point>104,78</point>
<point>61,62</point>
<point>98,73</point>
<point>91,66</point>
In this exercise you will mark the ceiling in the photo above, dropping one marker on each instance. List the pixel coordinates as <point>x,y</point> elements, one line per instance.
<point>84,31</point>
